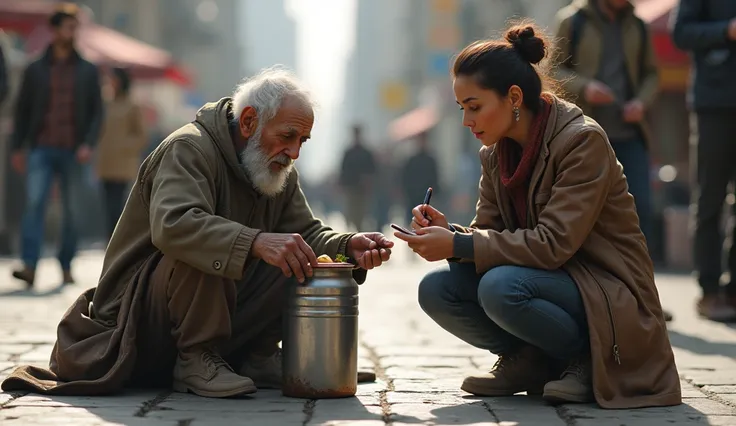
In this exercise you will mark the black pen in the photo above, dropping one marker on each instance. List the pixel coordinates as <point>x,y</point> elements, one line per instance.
<point>427,197</point>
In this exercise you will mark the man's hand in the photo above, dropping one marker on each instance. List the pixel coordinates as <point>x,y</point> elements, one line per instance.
<point>286,251</point>
<point>18,161</point>
<point>432,243</point>
<point>369,249</point>
<point>84,154</point>
<point>433,217</point>
<point>732,29</point>
<point>597,93</point>
<point>634,111</point>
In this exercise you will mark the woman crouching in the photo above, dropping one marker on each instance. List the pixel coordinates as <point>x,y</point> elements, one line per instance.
<point>553,274</point>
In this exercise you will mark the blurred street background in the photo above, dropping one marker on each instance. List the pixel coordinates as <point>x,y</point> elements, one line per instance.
<point>379,69</point>
<point>386,128</point>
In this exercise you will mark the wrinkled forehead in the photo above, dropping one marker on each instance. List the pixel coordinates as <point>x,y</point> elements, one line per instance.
<point>294,113</point>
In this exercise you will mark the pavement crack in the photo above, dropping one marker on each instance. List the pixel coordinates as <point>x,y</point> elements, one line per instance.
<point>711,395</point>
<point>13,396</point>
<point>488,408</point>
<point>381,374</point>
<point>308,411</point>
<point>473,363</point>
<point>152,403</point>
<point>564,414</point>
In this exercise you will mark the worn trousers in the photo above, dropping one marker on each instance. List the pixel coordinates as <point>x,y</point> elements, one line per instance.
<point>508,307</point>
<point>713,156</point>
<point>186,309</point>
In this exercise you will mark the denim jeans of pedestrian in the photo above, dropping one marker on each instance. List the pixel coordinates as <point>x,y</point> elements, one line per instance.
<point>634,157</point>
<point>508,307</point>
<point>44,165</point>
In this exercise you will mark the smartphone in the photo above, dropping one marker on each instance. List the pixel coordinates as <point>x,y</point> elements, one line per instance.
<point>402,229</point>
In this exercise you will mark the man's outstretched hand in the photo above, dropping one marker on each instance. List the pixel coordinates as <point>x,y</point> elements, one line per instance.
<point>369,249</point>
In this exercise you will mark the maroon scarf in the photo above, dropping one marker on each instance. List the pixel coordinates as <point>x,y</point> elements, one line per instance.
<point>516,165</point>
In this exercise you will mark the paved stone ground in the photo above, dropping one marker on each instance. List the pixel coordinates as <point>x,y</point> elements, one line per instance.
<point>419,366</point>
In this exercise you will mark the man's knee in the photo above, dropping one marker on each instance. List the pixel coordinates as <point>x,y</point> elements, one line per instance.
<point>498,290</point>
<point>171,275</point>
<point>433,291</point>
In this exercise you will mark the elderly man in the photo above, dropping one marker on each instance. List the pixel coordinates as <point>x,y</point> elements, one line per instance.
<point>193,278</point>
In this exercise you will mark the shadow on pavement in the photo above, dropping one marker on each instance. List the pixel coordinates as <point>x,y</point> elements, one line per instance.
<point>701,346</point>
<point>31,293</point>
<point>526,410</point>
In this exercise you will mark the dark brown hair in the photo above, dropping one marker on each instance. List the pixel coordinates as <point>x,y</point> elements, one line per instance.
<point>499,64</point>
<point>63,11</point>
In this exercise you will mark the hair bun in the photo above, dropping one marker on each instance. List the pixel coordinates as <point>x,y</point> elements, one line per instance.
<point>530,47</point>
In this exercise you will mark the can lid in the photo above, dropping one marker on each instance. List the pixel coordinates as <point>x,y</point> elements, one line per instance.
<point>338,265</point>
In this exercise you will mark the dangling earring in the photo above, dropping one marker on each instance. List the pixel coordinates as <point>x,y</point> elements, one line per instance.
<point>517,113</point>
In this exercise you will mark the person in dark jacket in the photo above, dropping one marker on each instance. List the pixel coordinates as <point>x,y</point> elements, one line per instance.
<point>58,115</point>
<point>707,29</point>
<point>3,75</point>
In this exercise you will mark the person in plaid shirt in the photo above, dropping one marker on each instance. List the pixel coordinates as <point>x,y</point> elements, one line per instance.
<point>58,114</point>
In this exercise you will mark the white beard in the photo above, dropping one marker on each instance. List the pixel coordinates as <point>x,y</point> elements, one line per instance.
<point>256,162</point>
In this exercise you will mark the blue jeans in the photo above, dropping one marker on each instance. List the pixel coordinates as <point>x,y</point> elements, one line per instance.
<point>634,157</point>
<point>508,307</point>
<point>43,165</point>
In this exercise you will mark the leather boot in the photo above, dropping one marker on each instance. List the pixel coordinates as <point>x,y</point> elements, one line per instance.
<point>205,373</point>
<point>575,385</point>
<point>526,370</point>
<point>266,372</point>
<point>25,274</point>
<point>716,307</point>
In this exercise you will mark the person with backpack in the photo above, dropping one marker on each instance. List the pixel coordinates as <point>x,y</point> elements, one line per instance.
<point>608,68</point>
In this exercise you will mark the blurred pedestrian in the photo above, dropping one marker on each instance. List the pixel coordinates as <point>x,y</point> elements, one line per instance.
<point>613,77</point>
<point>419,172</point>
<point>707,29</point>
<point>554,268</point>
<point>58,116</point>
<point>4,85</point>
<point>121,144</point>
<point>357,178</point>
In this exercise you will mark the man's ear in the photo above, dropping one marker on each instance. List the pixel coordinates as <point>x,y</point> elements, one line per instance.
<point>248,122</point>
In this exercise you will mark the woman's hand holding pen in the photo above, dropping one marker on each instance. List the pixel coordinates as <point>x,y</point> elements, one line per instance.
<point>433,240</point>
<point>425,215</point>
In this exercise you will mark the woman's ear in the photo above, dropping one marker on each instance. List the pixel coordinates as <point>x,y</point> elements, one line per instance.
<point>248,122</point>
<point>516,96</point>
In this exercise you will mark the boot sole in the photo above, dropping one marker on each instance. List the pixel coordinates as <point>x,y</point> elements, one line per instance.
<point>481,391</point>
<point>557,397</point>
<point>243,390</point>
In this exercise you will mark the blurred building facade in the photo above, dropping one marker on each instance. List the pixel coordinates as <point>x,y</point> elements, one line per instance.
<point>401,62</point>
<point>269,34</point>
<point>201,34</point>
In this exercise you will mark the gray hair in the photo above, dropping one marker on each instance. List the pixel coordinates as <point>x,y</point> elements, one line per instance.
<point>266,91</point>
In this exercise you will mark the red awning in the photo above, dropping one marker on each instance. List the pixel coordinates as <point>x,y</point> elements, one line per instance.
<point>413,123</point>
<point>656,13</point>
<point>99,44</point>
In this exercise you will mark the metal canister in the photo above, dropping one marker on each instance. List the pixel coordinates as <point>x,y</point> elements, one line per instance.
<point>320,343</point>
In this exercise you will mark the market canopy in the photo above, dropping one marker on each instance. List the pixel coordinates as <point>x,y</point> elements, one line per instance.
<point>99,44</point>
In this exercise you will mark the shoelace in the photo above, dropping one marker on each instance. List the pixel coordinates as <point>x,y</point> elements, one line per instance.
<point>214,360</point>
<point>502,362</point>
<point>576,369</point>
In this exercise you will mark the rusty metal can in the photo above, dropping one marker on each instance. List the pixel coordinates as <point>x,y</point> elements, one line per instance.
<point>320,343</point>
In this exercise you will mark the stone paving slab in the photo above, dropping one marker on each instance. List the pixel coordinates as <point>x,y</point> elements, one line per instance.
<point>419,366</point>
